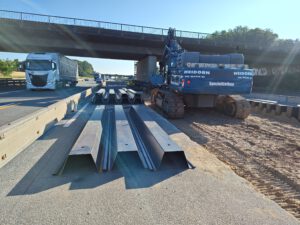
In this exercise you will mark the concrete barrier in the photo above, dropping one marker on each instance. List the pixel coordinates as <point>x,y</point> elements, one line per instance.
<point>262,105</point>
<point>292,111</point>
<point>270,107</point>
<point>266,106</point>
<point>281,99</point>
<point>18,135</point>
<point>280,109</point>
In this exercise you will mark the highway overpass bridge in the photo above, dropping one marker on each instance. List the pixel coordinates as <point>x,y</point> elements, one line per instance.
<point>27,32</point>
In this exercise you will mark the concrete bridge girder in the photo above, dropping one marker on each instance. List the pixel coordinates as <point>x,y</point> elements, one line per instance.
<point>26,36</point>
<point>76,47</point>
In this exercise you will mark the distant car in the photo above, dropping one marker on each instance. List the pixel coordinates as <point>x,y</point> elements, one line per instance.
<point>86,79</point>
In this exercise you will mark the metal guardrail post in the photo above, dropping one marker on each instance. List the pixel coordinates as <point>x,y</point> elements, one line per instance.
<point>7,82</point>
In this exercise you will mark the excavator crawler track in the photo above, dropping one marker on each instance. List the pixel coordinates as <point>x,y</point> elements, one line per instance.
<point>234,105</point>
<point>170,102</point>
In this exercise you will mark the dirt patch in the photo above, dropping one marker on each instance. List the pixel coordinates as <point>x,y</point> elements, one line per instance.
<point>264,151</point>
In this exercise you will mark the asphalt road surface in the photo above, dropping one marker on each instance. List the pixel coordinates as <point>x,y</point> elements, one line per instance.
<point>209,194</point>
<point>16,103</point>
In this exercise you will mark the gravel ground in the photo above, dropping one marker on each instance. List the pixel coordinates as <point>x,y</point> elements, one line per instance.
<point>263,150</point>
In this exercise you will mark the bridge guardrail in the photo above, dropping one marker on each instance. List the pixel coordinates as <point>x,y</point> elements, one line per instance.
<point>8,82</point>
<point>24,16</point>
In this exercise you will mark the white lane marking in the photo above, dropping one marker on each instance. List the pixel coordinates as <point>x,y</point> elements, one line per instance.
<point>70,121</point>
<point>7,92</point>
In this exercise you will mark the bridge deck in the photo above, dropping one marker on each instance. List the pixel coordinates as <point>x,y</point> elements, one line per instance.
<point>26,32</point>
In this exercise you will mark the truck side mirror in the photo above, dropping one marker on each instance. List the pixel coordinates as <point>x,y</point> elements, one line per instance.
<point>53,66</point>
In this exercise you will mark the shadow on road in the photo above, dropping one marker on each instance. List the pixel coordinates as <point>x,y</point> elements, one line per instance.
<point>82,174</point>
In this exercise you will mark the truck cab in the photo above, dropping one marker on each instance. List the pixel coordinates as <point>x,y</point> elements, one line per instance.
<point>41,71</point>
<point>48,70</point>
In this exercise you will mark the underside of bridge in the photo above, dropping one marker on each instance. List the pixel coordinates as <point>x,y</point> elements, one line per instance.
<point>26,36</point>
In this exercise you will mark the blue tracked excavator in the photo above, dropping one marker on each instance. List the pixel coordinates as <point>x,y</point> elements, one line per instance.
<point>191,79</point>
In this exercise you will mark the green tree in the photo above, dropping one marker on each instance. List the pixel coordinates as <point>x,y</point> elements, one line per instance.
<point>85,68</point>
<point>8,66</point>
<point>243,34</point>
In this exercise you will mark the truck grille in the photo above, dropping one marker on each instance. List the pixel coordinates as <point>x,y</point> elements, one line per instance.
<point>38,80</point>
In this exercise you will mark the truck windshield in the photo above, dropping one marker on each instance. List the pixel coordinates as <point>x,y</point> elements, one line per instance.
<point>38,65</point>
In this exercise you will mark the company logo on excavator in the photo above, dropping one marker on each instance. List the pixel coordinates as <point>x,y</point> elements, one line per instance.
<point>243,73</point>
<point>222,84</point>
<point>200,72</point>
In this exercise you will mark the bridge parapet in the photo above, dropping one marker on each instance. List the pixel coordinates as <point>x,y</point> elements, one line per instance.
<point>33,17</point>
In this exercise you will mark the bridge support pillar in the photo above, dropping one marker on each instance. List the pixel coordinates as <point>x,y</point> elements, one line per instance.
<point>145,68</point>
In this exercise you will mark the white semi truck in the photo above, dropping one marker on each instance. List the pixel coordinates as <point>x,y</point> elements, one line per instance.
<point>49,71</point>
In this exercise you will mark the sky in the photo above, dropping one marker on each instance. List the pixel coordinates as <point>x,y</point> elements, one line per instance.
<point>206,16</point>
